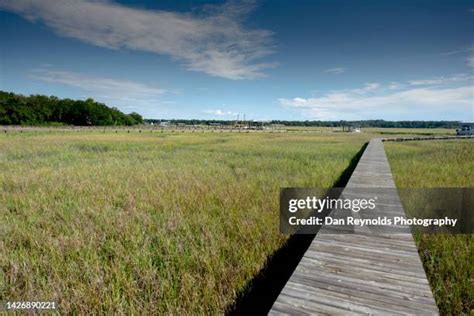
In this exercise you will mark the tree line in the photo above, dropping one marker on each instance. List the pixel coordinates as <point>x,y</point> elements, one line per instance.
<point>17,109</point>
<point>367,123</point>
<point>374,123</point>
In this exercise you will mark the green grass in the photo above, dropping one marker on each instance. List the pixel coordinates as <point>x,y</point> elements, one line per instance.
<point>448,259</point>
<point>152,222</point>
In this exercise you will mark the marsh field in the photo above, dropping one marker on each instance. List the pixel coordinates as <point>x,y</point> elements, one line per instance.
<point>448,259</point>
<point>149,223</point>
<point>181,222</point>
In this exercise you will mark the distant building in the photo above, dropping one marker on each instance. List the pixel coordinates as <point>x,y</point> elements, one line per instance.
<point>465,129</point>
<point>351,128</point>
<point>164,124</point>
<point>254,125</point>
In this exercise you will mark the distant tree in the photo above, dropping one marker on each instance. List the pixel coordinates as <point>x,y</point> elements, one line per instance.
<point>137,118</point>
<point>43,110</point>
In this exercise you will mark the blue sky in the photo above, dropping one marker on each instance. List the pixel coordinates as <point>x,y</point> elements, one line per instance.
<point>268,59</point>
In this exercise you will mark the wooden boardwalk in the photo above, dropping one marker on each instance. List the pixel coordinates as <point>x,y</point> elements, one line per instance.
<point>363,272</point>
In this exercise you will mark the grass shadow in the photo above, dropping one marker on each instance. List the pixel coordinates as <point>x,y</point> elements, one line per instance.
<point>258,296</point>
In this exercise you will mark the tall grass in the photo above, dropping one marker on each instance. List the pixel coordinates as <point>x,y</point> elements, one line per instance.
<point>448,259</point>
<point>149,223</point>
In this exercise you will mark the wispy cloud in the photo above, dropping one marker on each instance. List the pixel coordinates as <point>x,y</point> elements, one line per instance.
<point>405,101</point>
<point>394,85</point>
<point>368,87</point>
<point>469,51</point>
<point>457,51</point>
<point>335,71</point>
<point>219,112</point>
<point>112,91</point>
<point>213,41</point>
<point>470,60</point>
<point>441,80</point>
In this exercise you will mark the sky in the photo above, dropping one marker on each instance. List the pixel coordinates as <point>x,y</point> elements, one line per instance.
<point>265,59</point>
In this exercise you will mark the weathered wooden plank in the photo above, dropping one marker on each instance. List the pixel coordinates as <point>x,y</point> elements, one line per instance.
<point>362,290</point>
<point>306,306</point>
<point>381,263</point>
<point>347,271</point>
<point>352,300</point>
<point>369,250</point>
<point>367,271</point>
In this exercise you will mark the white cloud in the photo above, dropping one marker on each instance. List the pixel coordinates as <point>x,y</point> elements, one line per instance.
<point>213,41</point>
<point>368,87</point>
<point>111,91</point>
<point>95,84</point>
<point>457,51</point>
<point>219,112</point>
<point>335,71</point>
<point>395,85</point>
<point>470,61</point>
<point>468,50</point>
<point>424,82</point>
<point>441,80</point>
<point>470,58</point>
<point>378,101</point>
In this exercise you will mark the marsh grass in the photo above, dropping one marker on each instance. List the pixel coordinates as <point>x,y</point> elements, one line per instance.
<point>448,259</point>
<point>149,223</point>
<point>421,132</point>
